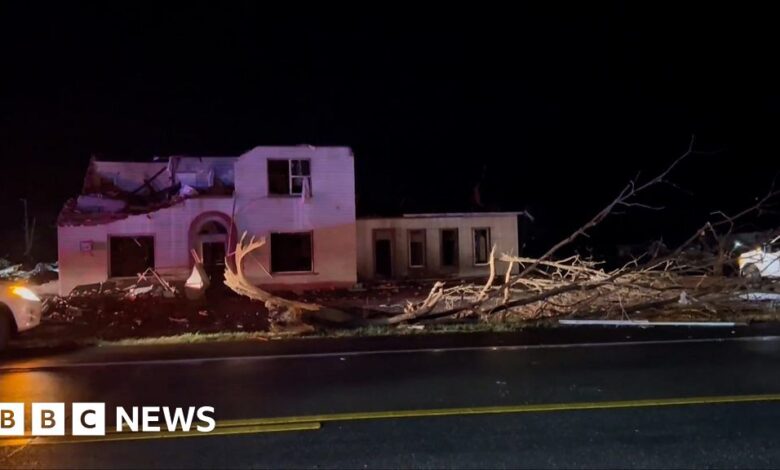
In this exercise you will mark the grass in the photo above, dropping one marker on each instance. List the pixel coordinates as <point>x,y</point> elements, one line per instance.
<point>366,331</point>
<point>386,330</point>
<point>192,338</point>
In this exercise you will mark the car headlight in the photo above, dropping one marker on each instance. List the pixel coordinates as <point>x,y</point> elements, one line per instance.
<point>25,293</point>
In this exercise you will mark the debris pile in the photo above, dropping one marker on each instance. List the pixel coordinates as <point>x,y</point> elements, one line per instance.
<point>107,313</point>
<point>40,273</point>
<point>150,284</point>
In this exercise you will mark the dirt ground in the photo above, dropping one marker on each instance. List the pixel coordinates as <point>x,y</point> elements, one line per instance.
<point>106,313</point>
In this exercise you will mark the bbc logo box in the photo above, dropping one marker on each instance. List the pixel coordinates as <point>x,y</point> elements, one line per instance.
<point>48,419</point>
<point>11,419</point>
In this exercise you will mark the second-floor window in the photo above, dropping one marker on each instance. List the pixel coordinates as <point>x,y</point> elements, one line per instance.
<point>289,177</point>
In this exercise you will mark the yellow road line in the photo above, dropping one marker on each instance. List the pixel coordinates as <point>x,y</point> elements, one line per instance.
<point>537,408</point>
<point>137,436</point>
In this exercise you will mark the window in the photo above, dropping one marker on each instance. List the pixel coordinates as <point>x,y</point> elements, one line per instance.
<point>416,248</point>
<point>481,245</point>
<point>289,177</point>
<point>130,256</point>
<point>300,176</point>
<point>291,252</point>
<point>278,177</point>
<point>449,247</point>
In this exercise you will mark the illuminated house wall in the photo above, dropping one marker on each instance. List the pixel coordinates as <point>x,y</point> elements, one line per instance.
<point>399,232</point>
<point>326,211</point>
<point>329,213</point>
<point>169,227</point>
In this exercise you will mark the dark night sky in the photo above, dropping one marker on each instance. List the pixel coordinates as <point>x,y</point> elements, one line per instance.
<point>560,108</point>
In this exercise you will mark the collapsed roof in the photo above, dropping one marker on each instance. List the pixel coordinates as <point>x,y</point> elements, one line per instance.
<point>116,190</point>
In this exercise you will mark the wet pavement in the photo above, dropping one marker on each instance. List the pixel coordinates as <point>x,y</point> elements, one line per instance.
<point>245,381</point>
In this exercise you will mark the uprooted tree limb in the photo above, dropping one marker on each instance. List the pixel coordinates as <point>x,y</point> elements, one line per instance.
<point>282,312</point>
<point>625,199</point>
<point>279,309</point>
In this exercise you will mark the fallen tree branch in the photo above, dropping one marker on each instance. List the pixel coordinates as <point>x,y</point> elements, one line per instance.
<point>628,192</point>
<point>278,307</point>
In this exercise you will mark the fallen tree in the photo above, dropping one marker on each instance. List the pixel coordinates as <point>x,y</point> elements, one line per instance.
<point>532,288</point>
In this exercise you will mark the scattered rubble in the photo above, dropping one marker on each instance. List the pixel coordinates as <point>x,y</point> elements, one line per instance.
<point>111,315</point>
<point>196,284</point>
<point>761,296</point>
<point>150,284</point>
<point>134,291</point>
<point>40,273</point>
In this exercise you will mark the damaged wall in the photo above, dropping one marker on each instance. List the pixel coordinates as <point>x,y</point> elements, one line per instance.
<point>88,262</point>
<point>129,176</point>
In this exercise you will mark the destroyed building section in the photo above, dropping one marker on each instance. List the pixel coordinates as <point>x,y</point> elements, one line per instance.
<point>115,190</point>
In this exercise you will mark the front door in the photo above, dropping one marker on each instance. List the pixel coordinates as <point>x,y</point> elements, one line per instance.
<point>214,262</point>
<point>384,258</point>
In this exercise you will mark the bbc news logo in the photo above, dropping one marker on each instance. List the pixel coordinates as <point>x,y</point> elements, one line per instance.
<point>89,419</point>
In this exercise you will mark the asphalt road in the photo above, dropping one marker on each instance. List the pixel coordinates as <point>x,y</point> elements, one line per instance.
<point>631,378</point>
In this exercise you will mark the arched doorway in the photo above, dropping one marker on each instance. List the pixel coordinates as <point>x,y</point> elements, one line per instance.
<point>211,244</point>
<point>212,235</point>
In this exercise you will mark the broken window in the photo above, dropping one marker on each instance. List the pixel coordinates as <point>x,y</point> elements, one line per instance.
<point>449,247</point>
<point>130,256</point>
<point>481,245</point>
<point>291,252</point>
<point>300,177</point>
<point>289,177</point>
<point>416,248</point>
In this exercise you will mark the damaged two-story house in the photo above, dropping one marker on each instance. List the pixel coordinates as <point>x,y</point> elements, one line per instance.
<point>131,216</point>
<point>162,214</point>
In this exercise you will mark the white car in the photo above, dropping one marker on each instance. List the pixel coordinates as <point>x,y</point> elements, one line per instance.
<point>763,261</point>
<point>20,310</point>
